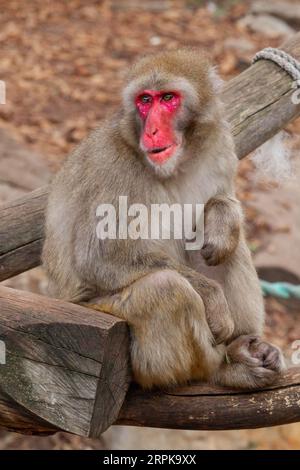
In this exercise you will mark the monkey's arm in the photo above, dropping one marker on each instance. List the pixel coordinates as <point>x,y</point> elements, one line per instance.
<point>222,222</point>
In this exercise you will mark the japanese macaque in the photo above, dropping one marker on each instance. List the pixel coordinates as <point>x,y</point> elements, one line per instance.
<point>192,315</point>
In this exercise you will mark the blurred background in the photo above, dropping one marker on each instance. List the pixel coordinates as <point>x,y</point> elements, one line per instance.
<point>63,63</point>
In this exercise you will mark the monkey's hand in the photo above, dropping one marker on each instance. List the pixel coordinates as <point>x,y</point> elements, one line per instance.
<point>217,313</point>
<point>222,223</point>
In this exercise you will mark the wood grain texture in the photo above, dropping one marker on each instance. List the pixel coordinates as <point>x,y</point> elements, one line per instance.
<point>258,103</point>
<point>14,417</point>
<point>203,407</point>
<point>21,233</point>
<point>66,365</point>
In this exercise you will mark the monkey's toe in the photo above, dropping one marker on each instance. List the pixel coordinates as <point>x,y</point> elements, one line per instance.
<point>270,356</point>
<point>263,361</point>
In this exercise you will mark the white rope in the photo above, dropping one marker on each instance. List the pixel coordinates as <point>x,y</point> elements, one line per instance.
<point>283,59</point>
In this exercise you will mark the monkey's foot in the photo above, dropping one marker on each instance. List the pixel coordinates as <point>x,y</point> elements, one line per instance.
<point>263,361</point>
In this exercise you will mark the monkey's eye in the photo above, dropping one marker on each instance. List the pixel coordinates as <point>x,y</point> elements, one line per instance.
<point>145,98</point>
<point>167,96</point>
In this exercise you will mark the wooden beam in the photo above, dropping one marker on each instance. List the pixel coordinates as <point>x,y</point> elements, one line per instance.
<point>202,407</point>
<point>258,103</point>
<point>21,233</point>
<point>65,366</point>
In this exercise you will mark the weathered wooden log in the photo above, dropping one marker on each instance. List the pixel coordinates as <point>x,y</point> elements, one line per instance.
<point>209,408</point>
<point>258,103</point>
<point>64,366</point>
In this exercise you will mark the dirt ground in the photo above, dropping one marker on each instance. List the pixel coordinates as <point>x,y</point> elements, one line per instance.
<point>63,64</point>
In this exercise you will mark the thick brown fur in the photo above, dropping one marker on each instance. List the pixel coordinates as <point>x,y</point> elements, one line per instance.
<point>192,315</point>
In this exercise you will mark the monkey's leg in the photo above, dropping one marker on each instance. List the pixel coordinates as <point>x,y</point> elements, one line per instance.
<point>217,312</point>
<point>171,340</point>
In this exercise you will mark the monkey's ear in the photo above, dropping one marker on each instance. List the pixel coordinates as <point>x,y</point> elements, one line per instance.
<point>216,80</point>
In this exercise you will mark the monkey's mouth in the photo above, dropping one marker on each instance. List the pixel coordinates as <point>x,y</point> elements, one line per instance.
<point>159,149</point>
<point>160,154</point>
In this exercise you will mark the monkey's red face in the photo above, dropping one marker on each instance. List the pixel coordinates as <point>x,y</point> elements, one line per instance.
<point>158,110</point>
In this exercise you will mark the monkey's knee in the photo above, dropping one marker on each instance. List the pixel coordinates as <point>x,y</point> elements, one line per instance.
<point>171,287</point>
<point>148,296</point>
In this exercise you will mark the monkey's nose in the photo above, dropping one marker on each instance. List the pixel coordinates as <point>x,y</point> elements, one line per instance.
<point>152,132</point>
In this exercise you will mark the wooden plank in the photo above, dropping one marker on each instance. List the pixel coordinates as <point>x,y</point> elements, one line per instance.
<point>202,407</point>
<point>21,233</point>
<point>66,366</point>
<point>258,103</point>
